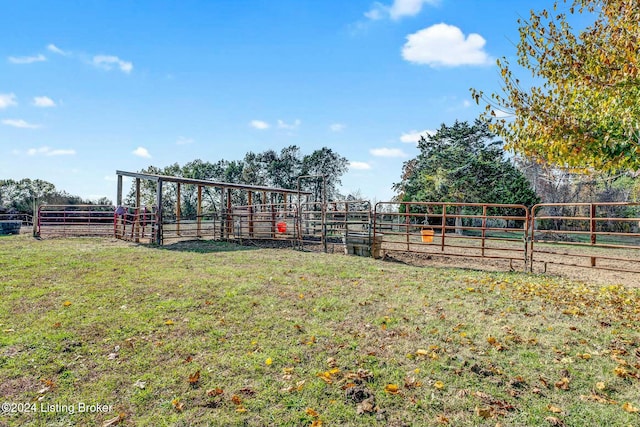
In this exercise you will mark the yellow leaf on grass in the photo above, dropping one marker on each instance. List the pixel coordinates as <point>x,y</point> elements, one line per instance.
<point>422,352</point>
<point>554,409</point>
<point>629,408</point>
<point>169,322</point>
<point>441,419</point>
<point>316,423</point>
<point>439,385</point>
<point>268,362</point>
<point>177,405</point>
<point>601,385</point>
<point>66,303</point>
<point>311,413</point>
<point>392,389</point>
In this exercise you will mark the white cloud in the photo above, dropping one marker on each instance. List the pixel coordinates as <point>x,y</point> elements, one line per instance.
<point>27,59</point>
<point>107,62</point>
<point>55,49</point>
<point>377,12</point>
<point>19,123</point>
<point>398,9</point>
<point>7,100</point>
<point>413,136</point>
<point>293,126</point>
<point>184,141</point>
<point>387,152</point>
<point>141,152</point>
<point>337,127</point>
<point>259,124</point>
<point>43,101</point>
<point>362,166</point>
<point>47,151</point>
<point>445,45</point>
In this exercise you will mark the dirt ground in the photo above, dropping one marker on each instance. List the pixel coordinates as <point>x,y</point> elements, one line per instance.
<point>580,274</point>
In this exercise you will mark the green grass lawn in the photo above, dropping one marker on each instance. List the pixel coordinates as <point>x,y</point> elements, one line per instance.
<point>215,334</point>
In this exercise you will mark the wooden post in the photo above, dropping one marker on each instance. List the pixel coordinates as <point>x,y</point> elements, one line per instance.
<point>444,226</point>
<point>222,214</point>
<point>229,214</point>
<point>592,229</point>
<point>484,226</point>
<point>199,213</point>
<point>135,230</point>
<point>178,212</point>
<point>406,223</point>
<point>159,212</point>
<point>250,210</point>
<point>119,192</point>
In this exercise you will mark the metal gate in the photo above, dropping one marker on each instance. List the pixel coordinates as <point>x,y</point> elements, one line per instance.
<point>471,230</point>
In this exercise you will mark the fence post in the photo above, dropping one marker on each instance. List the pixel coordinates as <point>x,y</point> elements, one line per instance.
<point>443,230</point>
<point>484,226</point>
<point>592,229</point>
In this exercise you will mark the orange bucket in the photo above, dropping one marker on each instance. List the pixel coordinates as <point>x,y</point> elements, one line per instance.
<point>427,236</point>
<point>282,227</point>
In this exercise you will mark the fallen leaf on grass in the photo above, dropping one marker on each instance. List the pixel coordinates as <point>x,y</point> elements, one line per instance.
<point>237,400</point>
<point>268,362</point>
<point>630,408</point>
<point>441,419</point>
<point>563,384</point>
<point>601,385</point>
<point>557,422</point>
<point>194,378</point>
<point>484,412</point>
<point>311,413</point>
<point>215,392</point>
<point>392,389</point>
<point>115,420</point>
<point>410,382</point>
<point>168,322</point>
<point>367,406</point>
<point>66,303</point>
<point>316,423</point>
<point>439,385</point>
<point>177,404</point>
<point>554,409</point>
<point>597,398</point>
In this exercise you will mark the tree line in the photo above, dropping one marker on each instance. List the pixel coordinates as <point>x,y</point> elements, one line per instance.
<point>25,195</point>
<point>269,168</point>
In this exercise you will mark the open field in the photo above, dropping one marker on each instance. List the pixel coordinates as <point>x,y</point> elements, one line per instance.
<point>209,333</point>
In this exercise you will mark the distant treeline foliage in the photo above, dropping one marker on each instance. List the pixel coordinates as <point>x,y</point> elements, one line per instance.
<point>25,195</point>
<point>269,168</point>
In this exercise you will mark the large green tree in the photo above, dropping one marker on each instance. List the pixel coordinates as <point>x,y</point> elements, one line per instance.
<point>463,163</point>
<point>582,109</point>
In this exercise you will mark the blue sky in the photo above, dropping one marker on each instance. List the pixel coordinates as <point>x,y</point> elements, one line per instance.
<point>89,87</point>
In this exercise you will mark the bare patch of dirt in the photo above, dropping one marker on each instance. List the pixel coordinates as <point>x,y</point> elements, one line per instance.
<point>582,274</point>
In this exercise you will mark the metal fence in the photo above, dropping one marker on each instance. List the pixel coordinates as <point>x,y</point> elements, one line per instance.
<point>75,220</point>
<point>599,235</point>
<point>593,235</point>
<point>471,230</point>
